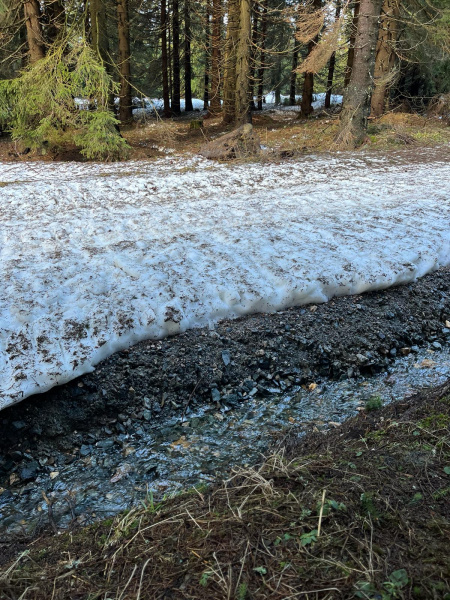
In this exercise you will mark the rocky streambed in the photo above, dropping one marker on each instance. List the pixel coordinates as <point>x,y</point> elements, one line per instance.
<point>174,413</point>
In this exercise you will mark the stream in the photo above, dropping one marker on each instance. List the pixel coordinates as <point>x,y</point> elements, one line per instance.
<point>120,471</point>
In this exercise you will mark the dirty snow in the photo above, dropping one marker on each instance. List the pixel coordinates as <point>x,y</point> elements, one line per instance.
<point>146,107</point>
<point>97,257</point>
<point>318,101</point>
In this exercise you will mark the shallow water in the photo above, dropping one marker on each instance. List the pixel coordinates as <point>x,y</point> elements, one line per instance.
<point>120,471</point>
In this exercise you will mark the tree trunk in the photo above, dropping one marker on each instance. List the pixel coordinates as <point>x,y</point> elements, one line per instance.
<point>243,113</point>
<point>308,90</point>
<point>123,29</point>
<point>293,83</point>
<point>165,60</point>
<point>332,63</point>
<point>187,58</point>
<point>253,58</point>
<point>170,55</point>
<point>36,45</point>
<point>55,16</point>
<point>351,46</point>
<point>385,55</point>
<point>99,38</point>
<point>276,78</point>
<point>215,104</point>
<point>262,57</point>
<point>176,94</point>
<point>99,34</point>
<point>356,106</point>
<point>207,55</point>
<point>229,78</point>
<point>308,83</point>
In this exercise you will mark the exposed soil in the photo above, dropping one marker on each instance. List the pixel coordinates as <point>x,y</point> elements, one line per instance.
<point>360,512</point>
<point>342,338</point>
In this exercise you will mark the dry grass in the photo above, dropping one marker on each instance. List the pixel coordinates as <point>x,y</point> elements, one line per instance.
<point>362,511</point>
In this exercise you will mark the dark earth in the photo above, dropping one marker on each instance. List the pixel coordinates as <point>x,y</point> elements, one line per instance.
<point>344,338</point>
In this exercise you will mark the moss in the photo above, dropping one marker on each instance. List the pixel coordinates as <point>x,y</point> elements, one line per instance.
<point>374,403</point>
<point>435,421</point>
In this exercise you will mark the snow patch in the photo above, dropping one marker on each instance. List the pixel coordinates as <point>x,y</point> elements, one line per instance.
<point>97,257</point>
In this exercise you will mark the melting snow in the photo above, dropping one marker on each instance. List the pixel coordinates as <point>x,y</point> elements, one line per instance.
<point>97,257</point>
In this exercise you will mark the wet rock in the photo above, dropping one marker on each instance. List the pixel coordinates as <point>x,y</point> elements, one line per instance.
<point>16,455</point>
<point>85,450</point>
<point>5,497</point>
<point>29,471</point>
<point>215,395</point>
<point>105,444</point>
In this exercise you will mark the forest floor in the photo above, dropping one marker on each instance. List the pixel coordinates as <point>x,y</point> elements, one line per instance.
<point>284,135</point>
<point>281,132</point>
<point>362,511</point>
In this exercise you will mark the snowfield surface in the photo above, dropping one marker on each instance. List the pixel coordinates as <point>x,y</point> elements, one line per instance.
<point>97,257</point>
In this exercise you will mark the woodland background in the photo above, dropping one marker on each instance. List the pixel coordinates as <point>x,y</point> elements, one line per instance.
<point>60,56</point>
